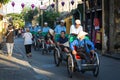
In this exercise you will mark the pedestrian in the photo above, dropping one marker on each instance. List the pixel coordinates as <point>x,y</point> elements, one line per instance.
<point>28,42</point>
<point>10,40</point>
<point>75,29</point>
<point>60,27</point>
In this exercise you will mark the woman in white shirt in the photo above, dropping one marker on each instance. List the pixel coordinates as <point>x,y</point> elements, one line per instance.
<point>28,42</point>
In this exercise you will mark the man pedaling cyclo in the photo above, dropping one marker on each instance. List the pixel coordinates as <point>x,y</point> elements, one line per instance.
<point>63,39</point>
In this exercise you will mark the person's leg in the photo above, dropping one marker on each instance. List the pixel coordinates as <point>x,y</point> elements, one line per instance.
<point>66,49</point>
<point>11,48</point>
<point>8,48</point>
<point>26,49</point>
<point>29,50</point>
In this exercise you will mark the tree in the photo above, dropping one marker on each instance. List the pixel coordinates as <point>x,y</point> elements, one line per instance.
<point>29,14</point>
<point>4,1</point>
<point>50,17</point>
<point>17,19</point>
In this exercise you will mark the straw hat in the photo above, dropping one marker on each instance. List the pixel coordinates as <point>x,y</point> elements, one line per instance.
<point>77,21</point>
<point>51,31</point>
<point>81,33</point>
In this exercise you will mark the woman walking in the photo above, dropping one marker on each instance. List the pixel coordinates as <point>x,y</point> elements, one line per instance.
<point>28,42</point>
<point>10,40</point>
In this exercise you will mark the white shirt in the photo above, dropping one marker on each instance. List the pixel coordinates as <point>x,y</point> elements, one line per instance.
<point>27,38</point>
<point>75,30</point>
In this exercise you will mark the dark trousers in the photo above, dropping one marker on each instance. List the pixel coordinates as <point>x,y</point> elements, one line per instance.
<point>28,48</point>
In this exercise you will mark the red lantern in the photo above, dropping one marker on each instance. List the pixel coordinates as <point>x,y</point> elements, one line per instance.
<point>32,5</point>
<point>72,2</point>
<point>22,5</point>
<point>13,4</point>
<point>62,3</point>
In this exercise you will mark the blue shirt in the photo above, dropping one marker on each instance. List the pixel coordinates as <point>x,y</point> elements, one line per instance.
<point>62,40</point>
<point>82,43</point>
<point>45,29</point>
<point>37,28</point>
<point>59,28</point>
<point>32,29</point>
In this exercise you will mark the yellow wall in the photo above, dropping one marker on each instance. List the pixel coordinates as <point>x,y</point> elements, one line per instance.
<point>68,21</point>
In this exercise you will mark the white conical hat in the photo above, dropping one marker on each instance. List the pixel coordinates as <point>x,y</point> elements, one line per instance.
<point>51,31</point>
<point>81,33</point>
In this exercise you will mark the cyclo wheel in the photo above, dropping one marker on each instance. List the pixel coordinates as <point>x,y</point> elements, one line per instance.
<point>70,65</point>
<point>57,59</point>
<point>96,61</point>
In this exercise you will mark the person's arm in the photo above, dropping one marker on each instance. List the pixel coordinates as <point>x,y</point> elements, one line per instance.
<point>24,35</point>
<point>56,30</point>
<point>65,29</point>
<point>89,43</point>
<point>74,43</point>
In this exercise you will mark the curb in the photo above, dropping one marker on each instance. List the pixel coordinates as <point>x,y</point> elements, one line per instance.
<point>111,56</point>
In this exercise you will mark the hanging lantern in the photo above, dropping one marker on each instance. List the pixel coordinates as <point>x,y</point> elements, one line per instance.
<point>52,5</point>
<point>32,5</point>
<point>62,3</point>
<point>13,4</point>
<point>22,5</point>
<point>72,2</point>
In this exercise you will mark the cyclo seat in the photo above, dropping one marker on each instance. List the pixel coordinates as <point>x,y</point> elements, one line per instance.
<point>81,52</point>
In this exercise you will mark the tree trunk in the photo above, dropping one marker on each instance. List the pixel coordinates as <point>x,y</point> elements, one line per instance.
<point>111,29</point>
<point>56,1</point>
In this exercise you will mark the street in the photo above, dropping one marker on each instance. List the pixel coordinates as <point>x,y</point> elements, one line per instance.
<point>42,67</point>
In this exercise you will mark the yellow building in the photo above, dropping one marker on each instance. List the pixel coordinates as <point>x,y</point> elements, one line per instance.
<point>68,21</point>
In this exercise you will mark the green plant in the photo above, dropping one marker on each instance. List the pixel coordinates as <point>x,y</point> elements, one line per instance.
<point>49,17</point>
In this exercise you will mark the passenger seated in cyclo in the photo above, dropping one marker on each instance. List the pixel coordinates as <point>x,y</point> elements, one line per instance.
<point>49,38</point>
<point>39,35</point>
<point>63,39</point>
<point>84,47</point>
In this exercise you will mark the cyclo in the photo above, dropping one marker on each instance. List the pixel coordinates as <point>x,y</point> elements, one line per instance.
<point>59,52</point>
<point>81,61</point>
<point>48,43</point>
<point>37,40</point>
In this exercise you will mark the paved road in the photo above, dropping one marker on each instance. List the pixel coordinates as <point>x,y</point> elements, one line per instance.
<point>44,65</point>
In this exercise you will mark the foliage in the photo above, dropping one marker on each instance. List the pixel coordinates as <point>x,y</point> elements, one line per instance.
<point>29,14</point>
<point>16,19</point>
<point>49,17</point>
<point>4,1</point>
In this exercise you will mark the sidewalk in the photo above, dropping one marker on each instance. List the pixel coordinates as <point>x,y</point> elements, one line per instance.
<point>112,55</point>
